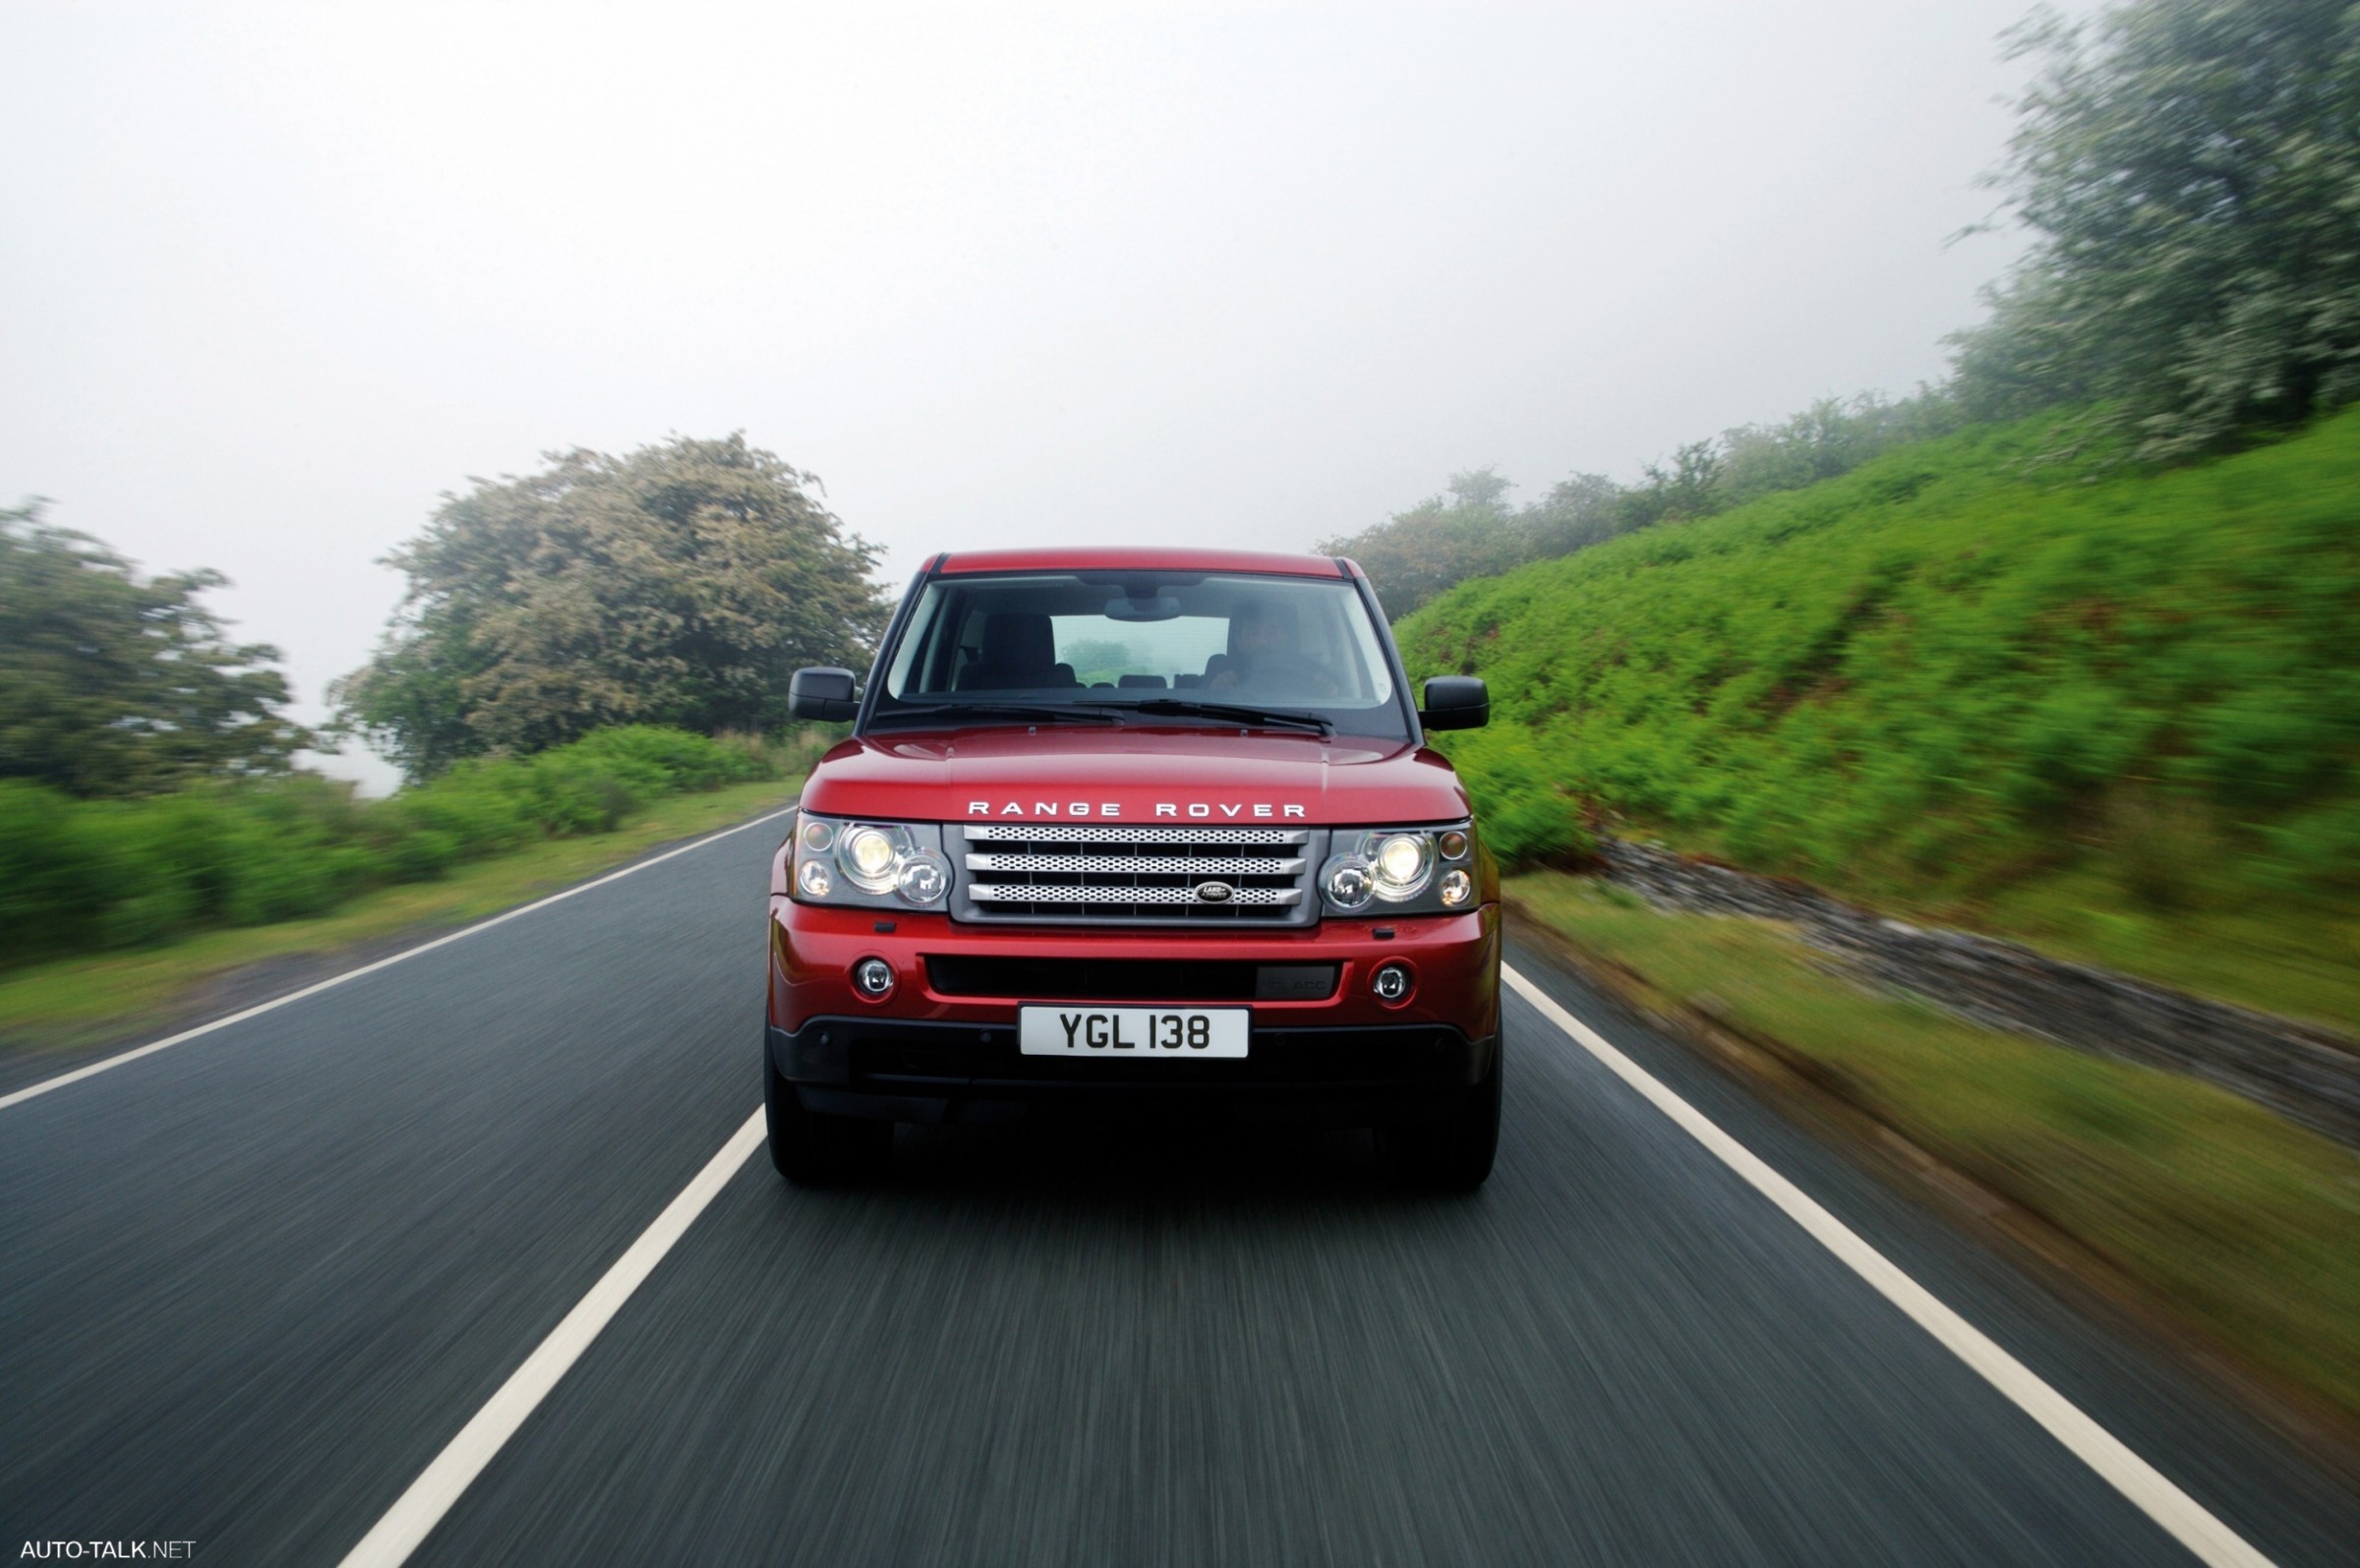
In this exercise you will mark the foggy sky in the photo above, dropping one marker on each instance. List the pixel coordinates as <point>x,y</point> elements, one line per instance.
<point>277,277</point>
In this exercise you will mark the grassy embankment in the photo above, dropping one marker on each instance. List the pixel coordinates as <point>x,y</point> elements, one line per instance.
<point>2119,720</point>
<point>293,869</point>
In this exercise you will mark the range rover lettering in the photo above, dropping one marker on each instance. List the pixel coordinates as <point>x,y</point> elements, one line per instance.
<point>1135,829</point>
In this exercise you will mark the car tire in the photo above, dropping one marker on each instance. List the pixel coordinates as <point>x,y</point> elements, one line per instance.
<point>811,1149</point>
<point>1455,1153</point>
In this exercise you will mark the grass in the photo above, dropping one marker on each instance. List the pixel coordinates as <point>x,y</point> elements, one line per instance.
<point>87,1001</point>
<point>2119,719</point>
<point>2233,1220</point>
<point>2286,954</point>
<point>2298,957</point>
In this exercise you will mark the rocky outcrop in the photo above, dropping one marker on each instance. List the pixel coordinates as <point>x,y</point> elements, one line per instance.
<point>2306,1075</point>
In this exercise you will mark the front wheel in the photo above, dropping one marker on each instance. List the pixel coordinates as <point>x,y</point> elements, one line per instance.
<point>811,1149</point>
<point>1454,1155</point>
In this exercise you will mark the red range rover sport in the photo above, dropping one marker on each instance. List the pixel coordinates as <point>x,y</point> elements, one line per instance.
<point>1135,829</point>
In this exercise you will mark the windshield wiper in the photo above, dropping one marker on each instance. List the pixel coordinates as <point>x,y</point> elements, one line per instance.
<point>1235,712</point>
<point>1110,712</point>
<point>1054,713</point>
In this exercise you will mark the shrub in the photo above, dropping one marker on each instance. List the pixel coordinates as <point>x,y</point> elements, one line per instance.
<point>57,874</point>
<point>1526,818</point>
<point>77,875</point>
<point>1948,666</point>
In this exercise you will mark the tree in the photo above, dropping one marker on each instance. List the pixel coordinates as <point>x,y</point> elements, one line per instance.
<point>1417,553</point>
<point>115,685</point>
<point>1833,437</point>
<point>679,585</point>
<point>1480,488</point>
<point>2194,177</point>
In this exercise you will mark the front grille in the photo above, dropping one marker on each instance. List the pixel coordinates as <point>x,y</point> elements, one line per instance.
<point>1071,873</point>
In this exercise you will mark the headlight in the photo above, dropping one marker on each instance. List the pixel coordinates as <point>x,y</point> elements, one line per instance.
<point>870,854</point>
<point>894,864</point>
<point>1404,861</point>
<point>925,878</point>
<point>1348,883</point>
<point>1393,868</point>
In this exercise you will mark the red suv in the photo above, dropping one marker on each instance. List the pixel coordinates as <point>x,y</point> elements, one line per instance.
<point>1147,829</point>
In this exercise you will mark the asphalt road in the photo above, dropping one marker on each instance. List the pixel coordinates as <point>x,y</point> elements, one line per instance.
<point>252,1285</point>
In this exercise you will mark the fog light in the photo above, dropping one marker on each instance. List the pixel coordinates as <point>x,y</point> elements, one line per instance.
<point>1390,983</point>
<point>1456,888</point>
<point>814,879</point>
<point>872,978</point>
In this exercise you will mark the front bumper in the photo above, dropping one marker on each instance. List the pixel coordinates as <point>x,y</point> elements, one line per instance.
<point>934,1072</point>
<point>942,1047</point>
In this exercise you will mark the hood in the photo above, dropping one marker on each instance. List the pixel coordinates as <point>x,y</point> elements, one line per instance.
<point>1135,774</point>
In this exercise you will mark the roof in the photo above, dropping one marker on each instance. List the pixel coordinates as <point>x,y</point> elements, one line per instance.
<point>1089,557</point>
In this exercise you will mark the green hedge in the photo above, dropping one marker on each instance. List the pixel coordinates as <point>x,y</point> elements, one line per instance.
<point>78,875</point>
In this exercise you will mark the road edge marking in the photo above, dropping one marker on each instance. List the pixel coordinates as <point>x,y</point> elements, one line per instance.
<point>2148,1490</point>
<point>421,1507</point>
<point>35,1090</point>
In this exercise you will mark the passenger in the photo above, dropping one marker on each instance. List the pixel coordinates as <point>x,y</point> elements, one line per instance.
<point>1266,656</point>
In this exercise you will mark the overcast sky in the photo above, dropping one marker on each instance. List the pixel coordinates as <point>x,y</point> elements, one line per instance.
<point>276,277</point>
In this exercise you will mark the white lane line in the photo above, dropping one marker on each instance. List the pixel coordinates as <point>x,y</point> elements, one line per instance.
<point>2188,1521</point>
<point>417,1511</point>
<point>335,980</point>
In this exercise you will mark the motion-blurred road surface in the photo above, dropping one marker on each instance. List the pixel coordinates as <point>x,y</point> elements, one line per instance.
<point>255,1283</point>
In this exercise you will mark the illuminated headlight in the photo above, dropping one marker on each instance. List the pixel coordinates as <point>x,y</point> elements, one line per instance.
<point>1403,863</point>
<point>1394,868</point>
<point>870,855</point>
<point>890,863</point>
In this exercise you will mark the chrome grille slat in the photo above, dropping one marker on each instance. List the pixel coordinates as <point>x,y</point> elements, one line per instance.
<point>1076,832</point>
<point>1165,865</point>
<point>1064,893</point>
<point>1108,874</point>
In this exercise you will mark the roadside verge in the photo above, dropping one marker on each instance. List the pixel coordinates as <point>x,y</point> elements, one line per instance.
<point>57,1016</point>
<point>2220,1229</point>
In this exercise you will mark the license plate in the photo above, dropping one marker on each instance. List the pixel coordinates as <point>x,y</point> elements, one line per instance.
<point>1117,1033</point>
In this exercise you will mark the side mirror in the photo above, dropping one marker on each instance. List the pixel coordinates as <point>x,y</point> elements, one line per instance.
<point>1455,702</point>
<point>822,693</point>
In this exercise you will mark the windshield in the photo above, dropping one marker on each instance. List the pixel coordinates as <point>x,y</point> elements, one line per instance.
<point>1079,642</point>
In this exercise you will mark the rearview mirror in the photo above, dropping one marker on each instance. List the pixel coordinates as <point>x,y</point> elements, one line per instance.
<point>1157,607</point>
<point>823,693</point>
<point>1455,702</point>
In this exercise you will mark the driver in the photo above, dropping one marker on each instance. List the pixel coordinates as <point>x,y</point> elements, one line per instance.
<point>1265,655</point>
